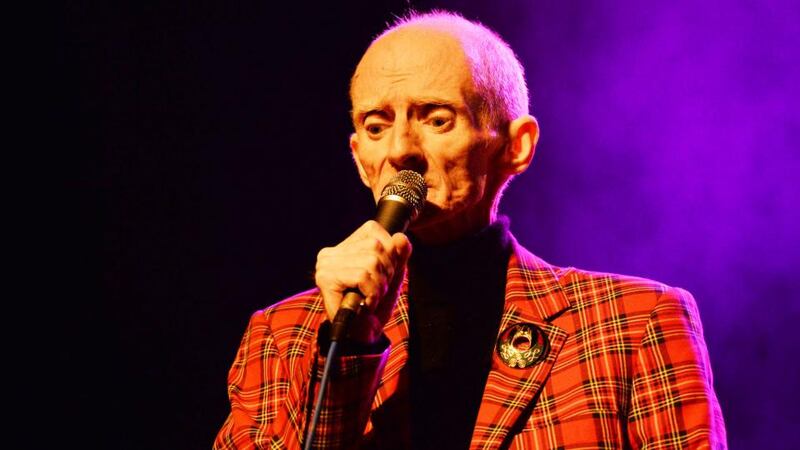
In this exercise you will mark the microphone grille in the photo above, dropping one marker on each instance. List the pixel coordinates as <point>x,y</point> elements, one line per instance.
<point>410,186</point>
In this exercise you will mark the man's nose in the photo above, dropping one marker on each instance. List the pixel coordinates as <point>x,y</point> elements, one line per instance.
<point>405,150</point>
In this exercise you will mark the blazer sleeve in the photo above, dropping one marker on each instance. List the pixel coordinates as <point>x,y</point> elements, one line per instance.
<point>273,384</point>
<point>673,404</point>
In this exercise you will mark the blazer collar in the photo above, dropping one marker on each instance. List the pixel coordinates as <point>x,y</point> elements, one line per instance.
<point>533,296</point>
<point>532,285</point>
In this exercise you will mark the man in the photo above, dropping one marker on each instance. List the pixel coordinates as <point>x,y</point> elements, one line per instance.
<point>472,342</point>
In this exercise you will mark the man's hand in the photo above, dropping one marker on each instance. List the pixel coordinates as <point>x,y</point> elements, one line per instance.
<point>371,261</point>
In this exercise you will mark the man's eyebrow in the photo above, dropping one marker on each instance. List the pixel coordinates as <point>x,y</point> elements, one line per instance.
<point>434,101</point>
<point>360,115</point>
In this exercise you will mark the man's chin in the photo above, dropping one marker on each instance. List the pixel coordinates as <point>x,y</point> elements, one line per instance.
<point>435,225</point>
<point>432,226</point>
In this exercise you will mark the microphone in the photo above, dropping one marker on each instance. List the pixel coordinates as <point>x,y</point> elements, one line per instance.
<point>400,202</point>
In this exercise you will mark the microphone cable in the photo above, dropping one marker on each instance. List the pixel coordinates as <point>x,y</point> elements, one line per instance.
<point>401,201</point>
<point>312,427</point>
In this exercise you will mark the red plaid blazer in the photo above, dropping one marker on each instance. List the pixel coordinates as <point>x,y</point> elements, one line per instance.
<point>627,367</point>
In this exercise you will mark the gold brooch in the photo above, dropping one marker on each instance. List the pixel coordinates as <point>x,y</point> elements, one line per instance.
<point>522,345</point>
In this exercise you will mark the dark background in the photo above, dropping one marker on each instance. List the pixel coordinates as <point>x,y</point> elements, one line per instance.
<point>224,169</point>
<point>211,142</point>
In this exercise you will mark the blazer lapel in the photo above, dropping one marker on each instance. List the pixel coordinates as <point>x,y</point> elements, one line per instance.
<point>397,331</point>
<point>533,296</point>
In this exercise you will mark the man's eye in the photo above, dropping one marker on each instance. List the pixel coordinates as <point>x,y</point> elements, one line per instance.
<point>374,128</point>
<point>439,122</point>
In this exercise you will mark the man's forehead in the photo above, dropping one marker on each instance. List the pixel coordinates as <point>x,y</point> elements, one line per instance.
<point>420,41</point>
<point>430,61</point>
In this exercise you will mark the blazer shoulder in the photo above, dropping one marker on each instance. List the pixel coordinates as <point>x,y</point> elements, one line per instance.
<point>292,310</point>
<point>292,320</point>
<point>587,288</point>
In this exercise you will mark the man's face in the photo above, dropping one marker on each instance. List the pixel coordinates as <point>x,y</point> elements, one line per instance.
<point>413,108</point>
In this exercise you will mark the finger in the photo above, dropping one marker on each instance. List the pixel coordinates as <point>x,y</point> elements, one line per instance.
<point>402,252</point>
<point>381,288</point>
<point>331,300</point>
<point>350,274</point>
<point>402,247</point>
<point>343,271</point>
<point>366,260</point>
<point>371,291</point>
<point>371,252</point>
<point>369,230</point>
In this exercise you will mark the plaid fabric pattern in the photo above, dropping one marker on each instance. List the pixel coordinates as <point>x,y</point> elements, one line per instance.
<point>627,367</point>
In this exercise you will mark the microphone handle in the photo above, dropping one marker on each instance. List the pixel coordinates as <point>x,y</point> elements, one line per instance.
<point>394,215</point>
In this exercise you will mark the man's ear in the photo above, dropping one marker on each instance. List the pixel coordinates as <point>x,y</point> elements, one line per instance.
<point>354,151</point>
<point>523,135</point>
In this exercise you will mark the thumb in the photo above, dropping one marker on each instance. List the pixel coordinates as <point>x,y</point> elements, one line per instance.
<point>403,246</point>
<point>403,249</point>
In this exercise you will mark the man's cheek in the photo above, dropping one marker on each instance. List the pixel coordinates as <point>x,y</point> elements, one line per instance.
<point>370,170</point>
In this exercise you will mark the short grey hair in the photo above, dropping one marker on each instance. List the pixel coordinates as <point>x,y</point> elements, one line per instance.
<point>497,73</point>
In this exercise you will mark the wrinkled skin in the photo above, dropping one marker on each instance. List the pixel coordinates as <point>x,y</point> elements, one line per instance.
<point>411,110</point>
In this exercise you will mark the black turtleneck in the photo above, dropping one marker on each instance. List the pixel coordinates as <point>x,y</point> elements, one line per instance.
<point>456,295</point>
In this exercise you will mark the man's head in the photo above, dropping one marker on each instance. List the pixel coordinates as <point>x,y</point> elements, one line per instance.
<point>446,97</point>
